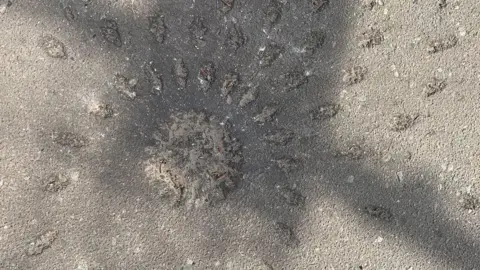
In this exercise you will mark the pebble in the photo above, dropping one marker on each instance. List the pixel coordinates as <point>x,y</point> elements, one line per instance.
<point>447,167</point>
<point>379,239</point>
<point>266,115</point>
<point>3,8</point>
<point>386,158</point>
<point>41,243</point>
<point>248,97</point>
<point>400,176</point>
<point>350,179</point>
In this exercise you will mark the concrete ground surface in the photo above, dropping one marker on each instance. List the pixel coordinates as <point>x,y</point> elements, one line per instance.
<point>237,134</point>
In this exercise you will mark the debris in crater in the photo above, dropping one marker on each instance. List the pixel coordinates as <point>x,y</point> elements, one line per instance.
<point>470,202</point>
<point>53,47</point>
<point>227,6</point>
<point>371,38</point>
<point>273,12</point>
<point>291,196</point>
<point>5,5</point>
<point>198,31</point>
<point>293,79</point>
<point>235,37</point>
<point>318,5</point>
<point>279,137</point>
<point>286,234</point>
<point>402,121</point>
<point>313,41</point>
<point>378,212</point>
<point>371,4</point>
<point>206,76</point>
<point>42,242</point>
<point>442,4</point>
<point>434,87</point>
<point>156,26</point>
<point>268,54</point>
<point>110,32</point>
<point>354,75</point>
<point>324,112</point>
<point>442,44</point>
<point>198,162</point>
<point>100,109</point>
<point>155,78</point>
<point>352,152</point>
<point>69,13</point>
<point>56,182</point>
<point>249,96</point>
<point>230,81</point>
<point>287,164</point>
<point>266,115</point>
<point>180,72</point>
<point>125,86</point>
<point>70,139</point>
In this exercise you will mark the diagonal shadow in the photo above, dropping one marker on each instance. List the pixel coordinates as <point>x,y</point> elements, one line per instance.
<point>246,222</point>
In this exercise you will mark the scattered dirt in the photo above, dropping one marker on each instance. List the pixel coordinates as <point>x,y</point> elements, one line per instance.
<point>110,32</point>
<point>324,112</point>
<point>197,32</point>
<point>354,75</point>
<point>370,38</point>
<point>287,164</point>
<point>101,110</point>
<point>235,37</point>
<point>378,212</point>
<point>227,6</point>
<point>180,72</point>
<point>156,26</point>
<point>292,79</point>
<point>198,162</point>
<point>279,137</point>
<point>268,54</point>
<point>470,202</point>
<point>69,13</point>
<point>56,182</point>
<point>402,121</point>
<point>291,196</point>
<point>206,76</point>
<point>125,86</point>
<point>266,115</point>
<point>41,243</point>
<point>53,47</point>
<point>155,79</point>
<point>286,234</point>
<point>313,41</point>
<point>318,5</point>
<point>249,96</point>
<point>70,139</point>
<point>442,44</point>
<point>435,86</point>
<point>273,12</point>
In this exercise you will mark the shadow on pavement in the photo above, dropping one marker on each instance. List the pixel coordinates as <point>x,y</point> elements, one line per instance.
<point>257,222</point>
